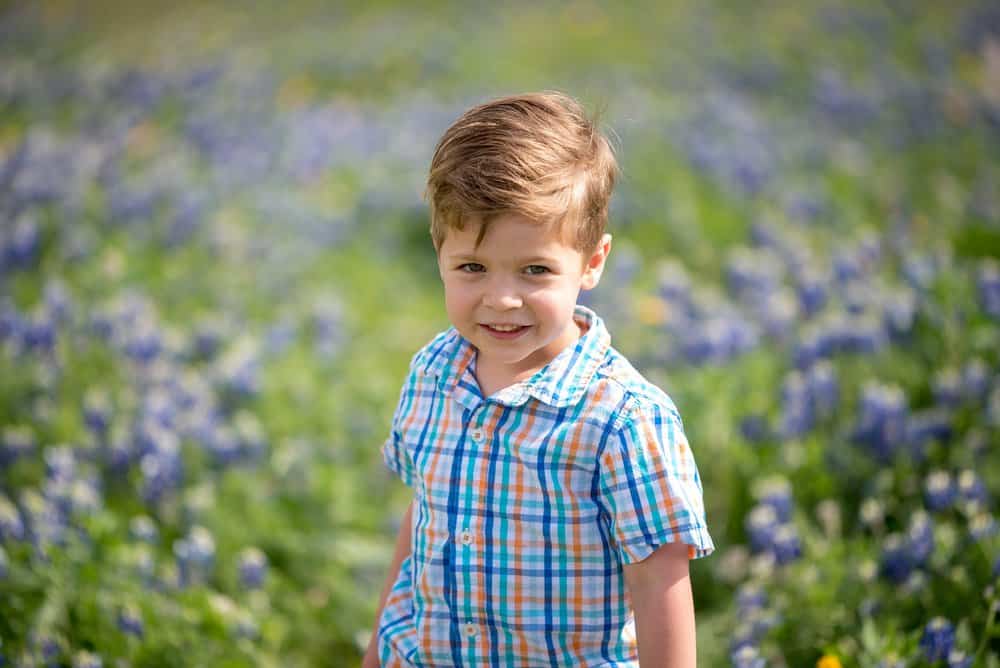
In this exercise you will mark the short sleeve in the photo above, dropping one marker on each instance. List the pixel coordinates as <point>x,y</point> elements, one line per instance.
<point>394,453</point>
<point>650,487</point>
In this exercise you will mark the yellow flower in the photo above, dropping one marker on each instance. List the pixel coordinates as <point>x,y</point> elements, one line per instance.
<point>828,661</point>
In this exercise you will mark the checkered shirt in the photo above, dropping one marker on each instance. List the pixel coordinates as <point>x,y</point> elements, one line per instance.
<point>528,503</point>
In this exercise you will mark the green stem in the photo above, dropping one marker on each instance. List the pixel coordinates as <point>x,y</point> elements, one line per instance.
<point>988,632</point>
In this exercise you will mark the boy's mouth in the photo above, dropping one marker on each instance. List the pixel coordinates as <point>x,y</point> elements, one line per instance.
<point>504,331</point>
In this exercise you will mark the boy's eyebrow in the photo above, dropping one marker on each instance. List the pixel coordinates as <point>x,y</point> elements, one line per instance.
<point>534,259</point>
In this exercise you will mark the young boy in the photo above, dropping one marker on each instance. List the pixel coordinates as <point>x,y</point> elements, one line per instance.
<point>556,500</point>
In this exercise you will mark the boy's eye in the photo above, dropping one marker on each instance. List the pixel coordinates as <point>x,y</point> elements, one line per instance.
<point>536,270</point>
<point>471,267</point>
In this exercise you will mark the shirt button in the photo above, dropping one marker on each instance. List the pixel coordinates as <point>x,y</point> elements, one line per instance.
<point>466,537</point>
<point>477,435</point>
<point>470,629</point>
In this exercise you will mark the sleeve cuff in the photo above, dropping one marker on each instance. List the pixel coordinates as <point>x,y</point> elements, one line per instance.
<point>697,539</point>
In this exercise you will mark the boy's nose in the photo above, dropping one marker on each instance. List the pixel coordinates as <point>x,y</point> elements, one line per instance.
<point>501,296</point>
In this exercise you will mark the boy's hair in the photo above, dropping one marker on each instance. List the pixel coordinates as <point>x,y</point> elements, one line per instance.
<point>537,155</point>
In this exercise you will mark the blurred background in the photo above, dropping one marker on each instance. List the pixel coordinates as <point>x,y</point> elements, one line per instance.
<point>215,266</point>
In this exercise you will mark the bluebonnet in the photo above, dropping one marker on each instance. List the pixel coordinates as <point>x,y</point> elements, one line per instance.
<point>252,568</point>
<point>881,423</point>
<point>195,556</point>
<point>824,388</point>
<point>143,528</point>
<point>988,285</point>
<point>937,639</point>
<point>238,369</point>
<point>16,442</point>
<point>747,656</point>
<point>209,334</point>
<point>982,525</point>
<point>328,327</point>
<point>975,380</point>
<point>130,621</point>
<point>899,313</point>
<point>972,490</point>
<point>38,333</point>
<point>959,659</point>
<point>776,491</point>
<point>760,524</point>
<point>22,245</point>
<point>752,274</point>
<point>97,411</point>
<point>11,524</point>
<point>939,490</point>
<point>920,538</point>
<point>947,387</point>
<point>11,321</point>
<point>750,597</point>
<point>797,416</point>
<point>922,427</point>
<point>895,563</point>
<point>839,102</point>
<point>755,428</point>
<point>786,545</point>
<point>812,292</point>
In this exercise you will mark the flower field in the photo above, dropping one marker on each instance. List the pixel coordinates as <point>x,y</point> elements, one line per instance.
<point>215,267</point>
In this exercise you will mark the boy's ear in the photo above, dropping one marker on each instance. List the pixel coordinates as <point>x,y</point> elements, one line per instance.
<point>594,266</point>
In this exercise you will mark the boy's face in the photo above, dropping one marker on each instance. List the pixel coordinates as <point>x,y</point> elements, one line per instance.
<point>513,296</point>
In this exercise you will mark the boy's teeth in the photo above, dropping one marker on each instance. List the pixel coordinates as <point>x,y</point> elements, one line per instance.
<point>505,328</point>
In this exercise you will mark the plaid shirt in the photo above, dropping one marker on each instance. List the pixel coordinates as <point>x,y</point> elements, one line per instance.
<point>528,503</point>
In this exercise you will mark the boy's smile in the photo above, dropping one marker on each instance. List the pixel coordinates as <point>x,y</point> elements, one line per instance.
<point>513,296</point>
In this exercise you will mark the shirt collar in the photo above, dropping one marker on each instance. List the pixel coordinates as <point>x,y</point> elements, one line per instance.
<point>560,383</point>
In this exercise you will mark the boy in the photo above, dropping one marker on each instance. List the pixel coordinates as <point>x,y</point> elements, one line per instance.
<point>556,501</point>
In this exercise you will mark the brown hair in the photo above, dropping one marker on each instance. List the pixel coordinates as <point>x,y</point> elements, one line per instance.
<point>537,155</point>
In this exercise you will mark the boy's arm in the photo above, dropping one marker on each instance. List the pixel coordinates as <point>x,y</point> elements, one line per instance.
<point>371,659</point>
<point>660,589</point>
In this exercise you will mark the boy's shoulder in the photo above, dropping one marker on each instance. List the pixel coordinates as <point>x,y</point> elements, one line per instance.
<point>437,353</point>
<point>618,383</point>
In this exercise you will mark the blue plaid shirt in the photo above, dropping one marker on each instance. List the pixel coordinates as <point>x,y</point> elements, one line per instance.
<point>527,504</point>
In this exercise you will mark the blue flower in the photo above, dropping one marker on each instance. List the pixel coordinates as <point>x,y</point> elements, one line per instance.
<point>252,567</point>
<point>947,387</point>
<point>824,388</point>
<point>975,380</point>
<point>143,528</point>
<point>988,283</point>
<point>130,621</point>
<point>747,656</point>
<point>926,426</point>
<point>97,411</point>
<point>972,490</point>
<point>958,659</point>
<point>761,524</point>
<point>23,243</point>
<point>937,639</point>
<point>896,564</point>
<point>776,492</point>
<point>786,545</point>
<point>920,538</point>
<point>195,556</point>
<point>797,416</point>
<point>881,424</point>
<point>750,597</point>
<point>939,490</point>
<point>16,442</point>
